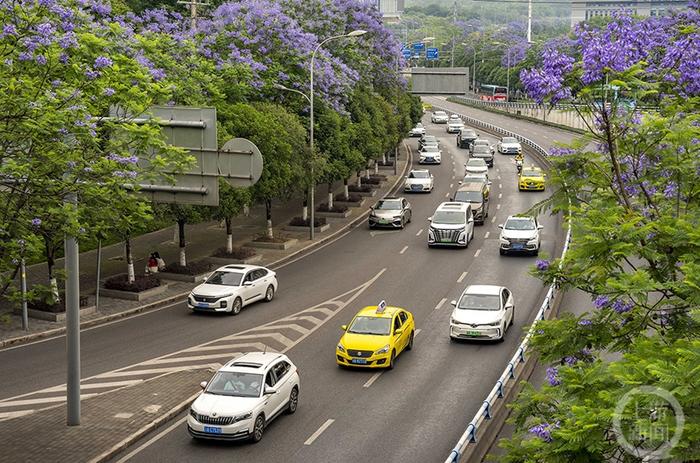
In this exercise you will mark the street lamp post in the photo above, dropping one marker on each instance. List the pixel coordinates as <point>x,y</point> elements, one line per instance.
<point>310,99</point>
<point>473,66</point>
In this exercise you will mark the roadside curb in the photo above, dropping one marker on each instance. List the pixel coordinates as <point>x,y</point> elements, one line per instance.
<point>19,340</point>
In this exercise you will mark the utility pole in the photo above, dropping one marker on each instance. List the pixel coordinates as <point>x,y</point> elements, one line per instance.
<point>193,11</point>
<point>454,24</point>
<point>529,21</point>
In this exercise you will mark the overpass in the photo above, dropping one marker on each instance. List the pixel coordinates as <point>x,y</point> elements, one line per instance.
<point>438,81</point>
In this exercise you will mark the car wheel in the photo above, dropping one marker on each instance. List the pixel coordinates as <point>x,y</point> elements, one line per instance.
<point>270,293</point>
<point>293,401</point>
<point>391,360</point>
<point>502,252</point>
<point>503,333</point>
<point>237,306</point>
<point>410,217</point>
<point>512,317</point>
<point>403,223</point>
<point>258,429</point>
<point>409,346</point>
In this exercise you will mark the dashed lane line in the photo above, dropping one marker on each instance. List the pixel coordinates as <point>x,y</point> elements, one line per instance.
<point>500,185</point>
<point>500,195</point>
<point>476,254</point>
<point>493,220</point>
<point>419,232</point>
<point>439,304</point>
<point>372,379</point>
<point>319,431</point>
<point>498,206</point>
<point>462,277</point>
<point>403,250</point>
<point>447,195</point>
<point>486,235</point>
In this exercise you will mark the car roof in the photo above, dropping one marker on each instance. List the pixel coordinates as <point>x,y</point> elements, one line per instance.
<point>452,206</point>
<point>237,268</point>
<point>479,141</point>
<point>476,161</point>
<point>440,113</point>
<point>519,217</point>
<point>419,170</point>
<point>371,311</point>
<point>483,289</point>
<point>471,186</point>
<point>253,362</point>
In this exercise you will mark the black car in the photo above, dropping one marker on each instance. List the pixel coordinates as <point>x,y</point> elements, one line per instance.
<point>466,137</point>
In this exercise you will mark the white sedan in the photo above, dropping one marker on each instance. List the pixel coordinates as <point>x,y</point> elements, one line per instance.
<point>439,117</point>
<point>430,154</point>
<point>418,130</point>
<point>509,145</point>
<point>244,396</point>
<point>455,125</point>
<point>482,312</point>
<point>232,287</point>
<point>476,166</point>
<point>419,180</point>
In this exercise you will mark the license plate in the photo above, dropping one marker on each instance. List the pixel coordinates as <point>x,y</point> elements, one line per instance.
<point>445,240</point>
<point>383,220</point>
<point>212,429</point>
<point>203,304</point>
<point>517,246</point>
<point>359,361</point>
<point>473,333</point>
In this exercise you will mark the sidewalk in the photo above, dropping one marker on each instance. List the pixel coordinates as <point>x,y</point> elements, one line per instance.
<point>202,240</point>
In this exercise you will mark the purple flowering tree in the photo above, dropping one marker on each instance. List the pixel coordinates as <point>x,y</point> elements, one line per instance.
<point>632,181</point>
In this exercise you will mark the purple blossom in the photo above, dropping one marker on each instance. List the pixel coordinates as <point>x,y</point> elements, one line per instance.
<point>585,322</point>
<point>40,59</point>
<point>601,301</point>
<point>25,56</point>
<point>125,173</point>
<point>108,91</point>
<point>102,62</point>
<point>36,222</point>
<point>157,74</point>
<point>553,376</point>
<point>542,265</point>
<point>102,9</point>
<point>8,62</point>
<point>671,190</point>
<point>63,58</point>
<point>123,159</point>
<point>92,75</point>
<point>8,29</point>
<point>570,360</point>
<point>56,83</point>
<point>558,151</point>
<point>621,306</point>
<point>544,431</point>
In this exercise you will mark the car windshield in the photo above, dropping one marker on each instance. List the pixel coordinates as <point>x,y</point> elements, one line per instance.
<point>431,148</point>
<point>474,178</point>
<point>429,138</point>
<point>509,140</point>
<point>468,196</point>
<point>480,302</point>
<point>370,325</point>
<point>235,384</point>
<point>468,134</point>
<point>520,224</point>
<point>449,217</point>
<point>481,149</point>
<point>419,174</point>
<point>476,163</point>
<point>531,173</point>
<point>440,113</point>
<point>225,278</point>
<point>419,125</point>
<point>481,142</point>
<point>388,205</point>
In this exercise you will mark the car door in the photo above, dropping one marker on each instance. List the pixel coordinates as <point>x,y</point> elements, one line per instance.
<point>248,289</point>
<point>285,382</point>
<point>272,400</point>
<point>263,278</point>
<point>470,224</point>
<point>406,206</point>
<point>507,307</point>
<point>406,335</point>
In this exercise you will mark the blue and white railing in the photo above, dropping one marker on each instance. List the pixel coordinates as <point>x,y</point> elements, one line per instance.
<point>511,371</point>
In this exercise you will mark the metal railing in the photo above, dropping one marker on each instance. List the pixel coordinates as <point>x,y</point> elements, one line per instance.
<point>511,371</point>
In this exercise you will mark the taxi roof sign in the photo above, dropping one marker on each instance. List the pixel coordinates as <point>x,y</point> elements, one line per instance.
<point>381,307</point>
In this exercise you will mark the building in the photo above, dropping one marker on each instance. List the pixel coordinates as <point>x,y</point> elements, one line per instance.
<point>585,10</point>
<point>390,9</point>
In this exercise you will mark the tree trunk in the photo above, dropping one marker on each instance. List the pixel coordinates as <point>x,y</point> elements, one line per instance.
<point>376,165</point>
<point>50,264</point>
<point>131,276</point>
<point>330,195</point>
<point>229,235</point>
<point>246,210</point>
<point>345,189</point>
<point>359,179</point>
<point>305,206</point>
<point>367,173</point>
<point>384,158</point>
<point>268,214</point>
<point>175,233</point>
<point>181,235</point>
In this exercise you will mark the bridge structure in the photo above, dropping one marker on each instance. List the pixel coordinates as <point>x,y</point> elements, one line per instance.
<point>438,80</point>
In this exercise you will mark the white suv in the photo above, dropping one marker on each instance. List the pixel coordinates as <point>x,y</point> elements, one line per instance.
<point>452,224</point>
<point>244,396</point>
<point>231,287</point>
<point>520,234</point>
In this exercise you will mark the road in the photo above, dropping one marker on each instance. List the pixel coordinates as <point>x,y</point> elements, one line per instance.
<point>387,417</point>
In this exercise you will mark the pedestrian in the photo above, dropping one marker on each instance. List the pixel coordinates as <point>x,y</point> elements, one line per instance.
<point>152,265</point>
<point>159,261</point>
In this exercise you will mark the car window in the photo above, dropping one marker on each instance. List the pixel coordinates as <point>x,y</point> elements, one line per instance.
<point>403,316</point>
<point>520,224</point>
<point>260,273</point>
<point>388,205</point>
<point>469,196</point>
<point>418,174</point>
<point>270,379</point>
<point>504,297</point>
<point>397,323</point>
<point>449,217</point>
<point>249,276</point>
<point>225,278</point>
<point>509,140</point>
<point>370,325</point>
<point>281,369</point>
<point>476,162</point>
<point>404,203</point>
<point>236,384</point>
<point>479,302</point>
<point>531,173</point>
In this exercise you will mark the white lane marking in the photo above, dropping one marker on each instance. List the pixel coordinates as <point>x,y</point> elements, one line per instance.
<point>419,232</point>
<point>451,185</point>
<point>439,304</point>
<point>418,332</point>
<point>494,219</point>
<point>486,235</point>
<point>447,195</point>
<point>499,177</point>
<point>404,249</point>
<point>498,170</point>
<point>372,379</point>
<point>500,185</point>
<point>498,206</point>
<point>318,432</point>
<point>462,277</point>
<point>500,195</point>
<point>476,254</point>
<point>158,436</point>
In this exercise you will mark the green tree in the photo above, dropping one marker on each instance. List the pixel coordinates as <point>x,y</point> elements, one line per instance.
<point>231,203</point>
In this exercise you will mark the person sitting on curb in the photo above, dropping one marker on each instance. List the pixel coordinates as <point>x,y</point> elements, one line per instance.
<point>152,265</point>
<point>159,261</point>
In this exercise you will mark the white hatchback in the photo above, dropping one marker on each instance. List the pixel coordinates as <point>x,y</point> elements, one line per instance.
<point>232,287</point>
<point>482,312</point>
<point>244,396</point>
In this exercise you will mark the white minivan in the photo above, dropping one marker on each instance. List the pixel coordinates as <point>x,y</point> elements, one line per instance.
<point>452,224</point>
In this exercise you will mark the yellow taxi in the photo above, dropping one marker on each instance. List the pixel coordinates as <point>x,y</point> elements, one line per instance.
<point>375,337</point>
<point>531,179</point>
<point>427,107</point>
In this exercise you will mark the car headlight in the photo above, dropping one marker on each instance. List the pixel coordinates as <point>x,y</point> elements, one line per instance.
<point>496,323</point>
<point>242,417</point>
<point>504,241</point>
<point>383,350</point>
<point>193,413</point>
<point>226,295</point>
<point>397,217</point>
<point>340,347</point>
<point>532,241</point>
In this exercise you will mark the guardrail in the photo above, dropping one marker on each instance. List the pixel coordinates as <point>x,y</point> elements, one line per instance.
<point>512,372</point>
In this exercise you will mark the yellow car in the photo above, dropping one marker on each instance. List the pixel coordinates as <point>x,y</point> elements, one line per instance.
<point>531,179</point>
<point>427,107</point>
<point>375,337</point>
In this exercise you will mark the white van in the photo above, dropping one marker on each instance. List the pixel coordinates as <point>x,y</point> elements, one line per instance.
<point>452,224</point>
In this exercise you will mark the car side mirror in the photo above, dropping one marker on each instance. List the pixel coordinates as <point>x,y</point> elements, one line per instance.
<point>203,385</point>
<point>500,226</point>
<point>430,219</point>
<point>269,390</point>
<point>247,283</point>
<point>459,183</point>
<point>453,303</point>
<point>398,332</point>
<point>344,327</point>
<point>204,278</point>
<point>452,198</point>
<point>489,182</point>
<point>540,227</point>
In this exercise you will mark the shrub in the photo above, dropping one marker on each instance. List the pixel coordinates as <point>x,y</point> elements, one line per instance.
<point>263,238</point>
<point>236,253</point>
<point>192,268</point>
<point>336,208</point>
<point>381,177</point>
<point>388,163</point>
<point>372,181</point>
<point>141,283</point>
<point>299,222</point>
<point>361,189</point>
<point>352,198</point>
<point>58,307</point>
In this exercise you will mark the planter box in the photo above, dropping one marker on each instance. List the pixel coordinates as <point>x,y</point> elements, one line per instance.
<point>55,317</point>
<point>350,203</point>
<point>334,215</point>
<point>131,296</point>
<point>281,246</point>
<point>368,194</point>
<point>182,277</point>
<point>294,228</point>
<point>231,261</point>
<point>381,167</point>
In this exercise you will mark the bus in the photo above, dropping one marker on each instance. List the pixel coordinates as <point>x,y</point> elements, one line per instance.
<point>493,92</point>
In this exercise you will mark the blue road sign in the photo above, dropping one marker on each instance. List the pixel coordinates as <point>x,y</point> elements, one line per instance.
<point>406,54</point>
<point>431,53</point>
<point>418,47</point>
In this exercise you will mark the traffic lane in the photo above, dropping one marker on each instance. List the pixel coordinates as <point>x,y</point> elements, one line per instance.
<point>541,134</point>
<point>333,390</point>
<point>126,342</point>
